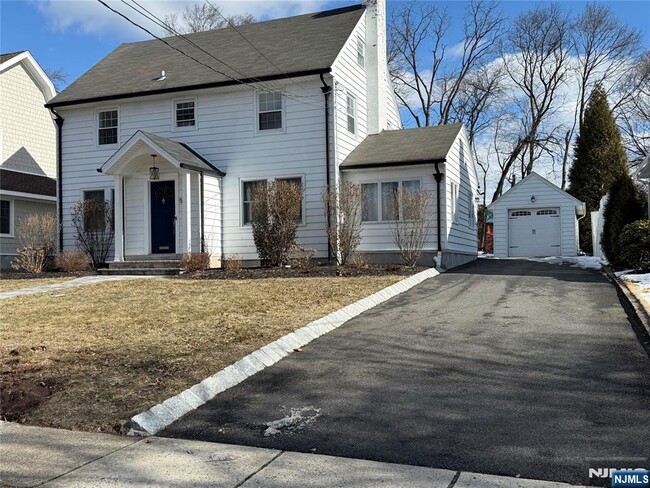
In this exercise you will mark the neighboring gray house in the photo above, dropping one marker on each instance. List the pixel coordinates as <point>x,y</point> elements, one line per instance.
<point>288,99</point>
<point>535,218</point>
<point>27,147</point>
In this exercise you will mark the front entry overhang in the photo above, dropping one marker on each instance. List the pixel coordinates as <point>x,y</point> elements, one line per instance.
<point>143,144</point>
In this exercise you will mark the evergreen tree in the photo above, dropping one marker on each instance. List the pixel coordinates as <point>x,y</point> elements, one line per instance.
<point>599,159</point>
<point>626,204</point>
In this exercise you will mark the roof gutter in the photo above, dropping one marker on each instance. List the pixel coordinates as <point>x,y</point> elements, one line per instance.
<point>295,74</point>
<point>391,164</point>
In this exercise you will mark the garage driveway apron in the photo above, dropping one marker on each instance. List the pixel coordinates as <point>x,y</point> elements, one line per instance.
<point>508,367</point>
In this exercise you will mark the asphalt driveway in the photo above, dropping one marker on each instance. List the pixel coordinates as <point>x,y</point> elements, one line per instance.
<point>502,366</point>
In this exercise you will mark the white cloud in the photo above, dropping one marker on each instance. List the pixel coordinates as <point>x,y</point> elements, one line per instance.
<point>93,18</point>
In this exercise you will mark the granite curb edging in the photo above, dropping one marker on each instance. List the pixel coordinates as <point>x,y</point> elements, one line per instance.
<point>160,416</point>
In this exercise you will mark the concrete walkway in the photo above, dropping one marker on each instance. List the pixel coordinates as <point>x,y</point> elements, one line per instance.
<point>85,280</point>
<point>36,456</point>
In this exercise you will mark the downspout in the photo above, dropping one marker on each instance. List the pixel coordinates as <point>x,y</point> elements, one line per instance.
<point>59,173</point>
<point>327,90</point>
<point>202,217</point>
<point>438,176</point>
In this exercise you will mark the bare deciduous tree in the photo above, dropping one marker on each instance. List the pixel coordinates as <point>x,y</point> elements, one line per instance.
<point>425,87</point>
<point>345,209</point>
<point>633,115</point>
<point>58,77</point>
<point>412,223</point>
<point>202,17</point>
<point>537,62</point>
<point>94,229</point>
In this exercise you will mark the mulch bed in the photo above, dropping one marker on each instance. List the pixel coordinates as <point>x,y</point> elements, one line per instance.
<point>289,272</point>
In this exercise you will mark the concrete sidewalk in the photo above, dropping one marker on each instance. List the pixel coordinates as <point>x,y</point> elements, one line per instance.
<point>35,456</point>
<point>84,280</point>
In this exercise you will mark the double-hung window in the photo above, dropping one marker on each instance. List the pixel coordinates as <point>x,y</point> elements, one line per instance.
<point>5,217</point>
<point>269,110</point>
<point>94,215</point>
<point>352,114</point>
<point>247,200</point>
<point>107,127</point>
<point>454,201</point>
<point>185,113</point>
<point>361,52</point>
<point>381,201</point>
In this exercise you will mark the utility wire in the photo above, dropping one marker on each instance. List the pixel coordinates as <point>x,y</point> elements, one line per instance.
<point>184,53</point>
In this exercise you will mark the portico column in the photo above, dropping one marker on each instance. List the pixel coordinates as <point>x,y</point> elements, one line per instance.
<point>118,205</point>
<point>187,201</point>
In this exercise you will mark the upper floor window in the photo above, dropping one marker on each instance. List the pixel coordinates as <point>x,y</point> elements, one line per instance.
<point>361,52</point>
<point>5,217</point>
<point>269,110</point>
<point>107,127</point>
<point>185,113</point>
<point>352,114</point>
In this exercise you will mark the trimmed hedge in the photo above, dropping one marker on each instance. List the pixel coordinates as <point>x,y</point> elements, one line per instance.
<point>635,245</point>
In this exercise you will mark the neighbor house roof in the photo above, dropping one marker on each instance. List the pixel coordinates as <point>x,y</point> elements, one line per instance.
<point>403,146</point>
<point>301,45</point>
<point>13,181</point>
<point>8,56</point>
<point>644,169</point>
<point>177,153</point>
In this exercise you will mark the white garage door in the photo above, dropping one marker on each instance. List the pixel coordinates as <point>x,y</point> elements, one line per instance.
<point>534,232</point>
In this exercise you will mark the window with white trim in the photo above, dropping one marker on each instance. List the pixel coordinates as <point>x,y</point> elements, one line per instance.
<point>93,221</point>
<point>380,202</point>
<point>454,201</point>
<point>361,52</point>
<point>461,153</point>
<point>5,217</point>
<point>107,121</point>
<point>298,181</point>
<point>269,110</point>
<point>352,113</point>
<point>247,200</point>
<point>185,113</point>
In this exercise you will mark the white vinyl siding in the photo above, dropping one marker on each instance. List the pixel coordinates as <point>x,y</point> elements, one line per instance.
<point>227,136</point>
<point>547,197</point>
<point>212,216</point>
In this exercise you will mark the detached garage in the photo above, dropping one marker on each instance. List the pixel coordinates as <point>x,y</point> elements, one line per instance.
<point>535,218</point>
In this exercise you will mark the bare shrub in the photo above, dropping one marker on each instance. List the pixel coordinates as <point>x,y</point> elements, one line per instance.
<point>232,264</point>
<point>415,218</point>
<point>36,234</point>
<point>195,262</point>
<point>94,229</point>
<point>345,209</point>
<point>72,261</point>
<point>276,209</point>
<point>358,260</point>
<point>301,257</point>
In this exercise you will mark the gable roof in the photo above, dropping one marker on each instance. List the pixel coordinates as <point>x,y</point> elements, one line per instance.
<point>27,183</point>
<point>535,176</point>
<point>298,46</point>
<point>33,68</point>
<point>177,153</point>
<point>8,56</point>
<point>403,146</point>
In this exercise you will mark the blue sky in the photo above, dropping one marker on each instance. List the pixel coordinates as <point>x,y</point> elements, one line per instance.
<point>75,34</point>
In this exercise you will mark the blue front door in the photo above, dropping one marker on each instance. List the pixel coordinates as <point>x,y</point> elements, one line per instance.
<point>163,217</point>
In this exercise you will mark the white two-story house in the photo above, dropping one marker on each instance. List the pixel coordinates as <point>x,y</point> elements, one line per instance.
<point>176,133</point>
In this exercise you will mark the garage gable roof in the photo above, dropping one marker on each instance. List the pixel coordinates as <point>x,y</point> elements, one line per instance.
<point>534,176</point>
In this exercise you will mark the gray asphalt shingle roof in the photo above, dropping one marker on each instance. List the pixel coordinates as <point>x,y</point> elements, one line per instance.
<point>7,56</point>
<point>403,146</point>
<point>300,44</point>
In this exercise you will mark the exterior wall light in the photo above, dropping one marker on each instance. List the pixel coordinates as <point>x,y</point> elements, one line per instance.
<point>532,199</point>
<point>154,171</point>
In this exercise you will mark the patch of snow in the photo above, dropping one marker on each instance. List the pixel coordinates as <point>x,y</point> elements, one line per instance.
<point>642,282</point>
<point>584,262</point>
<point>618,274</point>
<point>298,418</point>
<point>487,256</point>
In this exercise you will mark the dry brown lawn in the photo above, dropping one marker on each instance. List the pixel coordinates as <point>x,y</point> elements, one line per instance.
<point>10,284</point>
<point>99,354</point>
